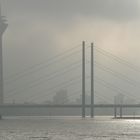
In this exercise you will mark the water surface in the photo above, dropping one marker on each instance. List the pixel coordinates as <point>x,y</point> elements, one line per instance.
<point>68,128</point>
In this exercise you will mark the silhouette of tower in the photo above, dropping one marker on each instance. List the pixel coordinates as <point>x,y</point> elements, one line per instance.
<point>3,26</point>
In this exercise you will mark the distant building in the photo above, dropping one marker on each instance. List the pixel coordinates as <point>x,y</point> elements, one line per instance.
<point>61,97</point>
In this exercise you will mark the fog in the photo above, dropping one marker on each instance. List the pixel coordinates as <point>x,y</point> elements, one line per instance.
<point>40,29</point>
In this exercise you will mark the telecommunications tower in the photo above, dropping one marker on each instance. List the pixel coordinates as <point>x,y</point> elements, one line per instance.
<point>3,26</point>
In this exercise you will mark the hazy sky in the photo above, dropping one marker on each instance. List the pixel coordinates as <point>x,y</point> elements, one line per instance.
<point>39,29</point>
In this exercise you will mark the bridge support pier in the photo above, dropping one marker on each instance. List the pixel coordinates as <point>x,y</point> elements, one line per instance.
<point>115,107</point>
<point>120,111</point>
<point>115,111</point>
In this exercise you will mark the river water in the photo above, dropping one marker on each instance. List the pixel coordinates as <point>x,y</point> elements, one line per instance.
<point>68,128</point>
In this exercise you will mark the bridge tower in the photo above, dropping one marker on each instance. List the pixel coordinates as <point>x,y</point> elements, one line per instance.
<point>3,27</point>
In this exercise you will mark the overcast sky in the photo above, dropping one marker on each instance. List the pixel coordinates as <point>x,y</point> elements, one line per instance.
<point>39,29</point>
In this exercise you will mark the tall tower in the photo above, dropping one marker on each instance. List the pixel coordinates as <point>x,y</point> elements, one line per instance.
<point>3,26</point>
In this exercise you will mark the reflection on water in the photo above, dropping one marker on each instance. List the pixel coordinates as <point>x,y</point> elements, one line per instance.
<point>68,128</point>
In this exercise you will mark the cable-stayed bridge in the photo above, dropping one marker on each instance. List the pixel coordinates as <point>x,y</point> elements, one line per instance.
<point>76,70</point>
<point>48,92</point>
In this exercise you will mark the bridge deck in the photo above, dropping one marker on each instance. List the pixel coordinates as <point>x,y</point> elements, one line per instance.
<point>69,105</point>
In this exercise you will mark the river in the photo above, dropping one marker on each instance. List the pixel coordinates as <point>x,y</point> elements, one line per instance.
<point>68,128</point>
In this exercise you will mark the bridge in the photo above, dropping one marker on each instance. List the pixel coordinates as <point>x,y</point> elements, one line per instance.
<point>6,107</point>
<point>57,75</point>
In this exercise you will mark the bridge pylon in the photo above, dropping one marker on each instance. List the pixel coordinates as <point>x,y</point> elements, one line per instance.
<point>83,80</point>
